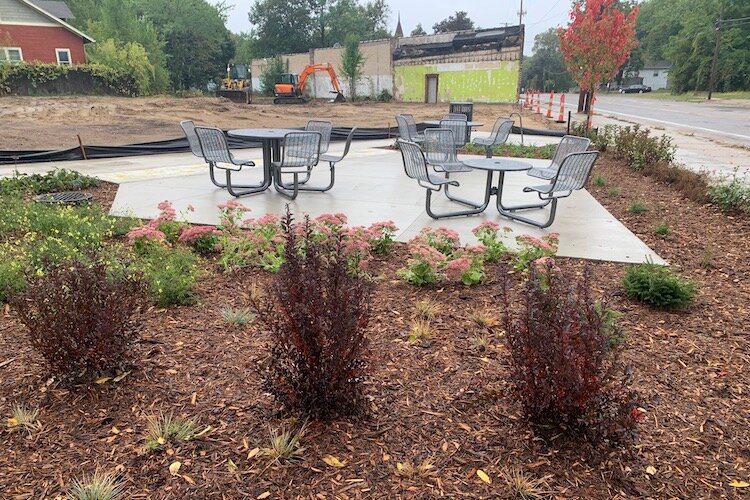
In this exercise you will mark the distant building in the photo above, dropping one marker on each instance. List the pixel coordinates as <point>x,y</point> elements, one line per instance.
<point>474,65</point>
<point>37,31</point>
<point>655,74</point>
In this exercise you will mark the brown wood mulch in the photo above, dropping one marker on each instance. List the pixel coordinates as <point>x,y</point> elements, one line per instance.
<point>446,401</point>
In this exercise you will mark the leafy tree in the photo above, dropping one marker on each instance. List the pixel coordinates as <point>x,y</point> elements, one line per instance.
<point>418,30</point>
<point>244,47</point>
<point>130,57</point>
<point>281,26</point>
<point>271,74</point>
<point>351,65</point>
<point>457,22</point>
<point>597,42</point>
<point>545,69</point>
<point>197,41</point>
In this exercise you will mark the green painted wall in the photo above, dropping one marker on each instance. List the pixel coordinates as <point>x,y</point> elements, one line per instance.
<point>499,84</point>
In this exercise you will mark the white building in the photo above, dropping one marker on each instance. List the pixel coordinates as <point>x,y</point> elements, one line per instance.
<point>655,74</point>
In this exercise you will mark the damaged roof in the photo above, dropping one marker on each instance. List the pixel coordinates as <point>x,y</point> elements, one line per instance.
<point>459,41</point>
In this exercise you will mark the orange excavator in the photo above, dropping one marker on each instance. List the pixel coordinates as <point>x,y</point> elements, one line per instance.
<point>290,87</point>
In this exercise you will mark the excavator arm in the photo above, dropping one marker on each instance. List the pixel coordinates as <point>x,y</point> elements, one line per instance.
<point>313,68</point>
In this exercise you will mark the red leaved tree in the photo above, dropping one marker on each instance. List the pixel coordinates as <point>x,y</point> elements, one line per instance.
<point>596,43</point>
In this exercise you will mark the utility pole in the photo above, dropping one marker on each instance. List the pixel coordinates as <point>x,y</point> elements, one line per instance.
<point>521,13</point>
<point>715,61</point>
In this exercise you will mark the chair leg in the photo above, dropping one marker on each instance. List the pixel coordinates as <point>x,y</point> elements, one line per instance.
<point>539,224</point>
<point>462,201</point>
<point>428,208</point>
<point>246,189</point>
<point>488,151</point>
<point>213,176</point>
<point>320,189</point>
<point>284,189</point>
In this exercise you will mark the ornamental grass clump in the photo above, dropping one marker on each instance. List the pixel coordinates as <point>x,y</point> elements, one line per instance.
<point>316,311</point>
<point>81,320</point>
<point>658,285</point>
<point>564,369</point>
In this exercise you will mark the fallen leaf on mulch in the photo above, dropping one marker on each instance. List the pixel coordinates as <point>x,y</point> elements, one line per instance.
<point>333,461</point>
<point>174,467</point>
<point>739,484</point>
<point>483,476</point>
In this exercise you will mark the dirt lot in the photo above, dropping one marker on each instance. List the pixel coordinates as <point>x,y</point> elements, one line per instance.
<point>45,123</point>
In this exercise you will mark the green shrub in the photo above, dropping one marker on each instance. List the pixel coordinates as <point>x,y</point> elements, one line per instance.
<point>384,96</point>
<point>662,229</point>
<point>600,181</point>
<point>12,280</point>
<point>732,196</point>
<point>171,274</point>
<point>39,78</point>
<point>271,74</point>
<point>59,179</point>
<point>658,285</point>
<point>129,57</point>
<point>635,145</point>
<point>614,192</point>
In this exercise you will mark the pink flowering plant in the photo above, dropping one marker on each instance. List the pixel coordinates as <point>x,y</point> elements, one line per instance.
<point>424,266</point>
<point>269,242</point>
<point>231,215</point>
<point>531,248</point>
<point>544,268</point>
<point>203,240</point>
<point>446,241</point>
<point>145,238</point>
<point>489,234</point>
<point>356,248</point>
<point>381,236</point>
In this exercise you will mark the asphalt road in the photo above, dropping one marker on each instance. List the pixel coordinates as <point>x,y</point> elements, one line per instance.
<point>727,120</point>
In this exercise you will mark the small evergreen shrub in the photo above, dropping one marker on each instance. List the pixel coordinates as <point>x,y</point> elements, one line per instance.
<point>638,207</point>
<point>636,146</point>
<point>563,363</point>
<point>658,285</point>
<point>79,318</point>
<point>315,310</point>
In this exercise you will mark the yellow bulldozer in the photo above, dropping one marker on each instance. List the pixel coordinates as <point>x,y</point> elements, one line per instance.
<point>238,85</point>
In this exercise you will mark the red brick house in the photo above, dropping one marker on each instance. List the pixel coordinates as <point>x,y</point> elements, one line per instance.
<point>35,30</point>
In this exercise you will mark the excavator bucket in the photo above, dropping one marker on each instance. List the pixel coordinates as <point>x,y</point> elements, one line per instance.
<point>339,97</point>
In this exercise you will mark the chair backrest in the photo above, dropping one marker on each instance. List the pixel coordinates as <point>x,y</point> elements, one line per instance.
<point>324,127</point>
<point>403,128</point>
<point>412,124</point>
<point>455,116</point>
<point>301,149</point>
<point>195,146</point>
<point>213,145</point>
<point>574,171</point>
<point>501,131</point>
<point>439,146</point>
<point>348,142</point>
<point>415,164</point>
<point>458,127</point>
<point>569,144</point>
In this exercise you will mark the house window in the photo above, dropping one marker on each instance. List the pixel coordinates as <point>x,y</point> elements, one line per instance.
<point>11,54</point>
<point>656,73</point>
<point>63,56</point>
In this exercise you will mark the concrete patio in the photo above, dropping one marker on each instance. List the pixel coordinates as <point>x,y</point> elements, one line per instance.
<point>370,186</point>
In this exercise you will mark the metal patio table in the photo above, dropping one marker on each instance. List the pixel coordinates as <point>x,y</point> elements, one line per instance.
<point>492,165</point>
<point>271,139</point>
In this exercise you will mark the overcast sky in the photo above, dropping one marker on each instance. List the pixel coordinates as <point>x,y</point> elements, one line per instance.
<point>540,14</point>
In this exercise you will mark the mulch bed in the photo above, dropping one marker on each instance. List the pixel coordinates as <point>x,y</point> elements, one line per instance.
<point>446,402</point>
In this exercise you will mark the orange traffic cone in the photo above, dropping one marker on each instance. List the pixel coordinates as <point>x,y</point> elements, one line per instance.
<point>560,117</point>
<point>538,102</point>
<point>549,105</point>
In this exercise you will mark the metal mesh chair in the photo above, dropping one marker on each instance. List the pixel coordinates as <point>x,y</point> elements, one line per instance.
<point>299,154</point>
<point>216,152</point>
<point>417,168</point>
<point>440,151</point>
<point>324,127</point>
<point>459,129</point>
<point>455,116</point>
<point>411,127</point>
<point>188,127</point>
<point>568,144</point>
<point>575,170</point>
<point>500,132</point>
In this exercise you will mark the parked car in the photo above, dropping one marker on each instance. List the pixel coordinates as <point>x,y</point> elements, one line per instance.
<point>635,89</point>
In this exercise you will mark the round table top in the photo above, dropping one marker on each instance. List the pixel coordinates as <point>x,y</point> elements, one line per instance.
<point>497,164</point>
<point>437,123</point>
<point>261,133</point>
